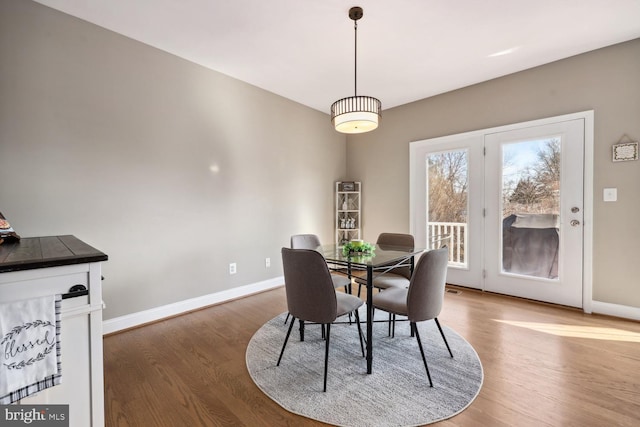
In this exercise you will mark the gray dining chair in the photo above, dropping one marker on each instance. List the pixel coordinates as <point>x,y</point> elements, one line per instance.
<point>397,277</point>
<point>311,297</point>
<point>423,299</point>
<point>311,241</point>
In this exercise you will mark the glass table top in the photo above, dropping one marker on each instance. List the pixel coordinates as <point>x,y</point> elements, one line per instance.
<point>382,255</point>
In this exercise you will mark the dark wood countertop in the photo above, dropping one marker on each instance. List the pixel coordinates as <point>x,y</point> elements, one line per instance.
<point>42,252</point>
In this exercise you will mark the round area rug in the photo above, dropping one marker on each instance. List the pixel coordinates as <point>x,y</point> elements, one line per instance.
<point>397,393</point>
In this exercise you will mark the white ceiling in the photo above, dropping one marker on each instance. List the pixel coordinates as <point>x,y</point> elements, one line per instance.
<point>407,49</point>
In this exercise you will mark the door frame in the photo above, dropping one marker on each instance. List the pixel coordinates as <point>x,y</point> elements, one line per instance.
<point>417,174</point>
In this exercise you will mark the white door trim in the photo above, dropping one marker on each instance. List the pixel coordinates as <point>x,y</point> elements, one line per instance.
<point>417,173</point>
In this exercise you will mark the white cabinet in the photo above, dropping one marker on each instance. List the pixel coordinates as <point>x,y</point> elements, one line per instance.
<point>82,386</point>
<point>348,213</point>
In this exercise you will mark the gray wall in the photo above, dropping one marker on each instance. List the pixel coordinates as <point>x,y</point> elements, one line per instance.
<point>606,81</point>
<point>171,169</point>
<point>114,141</point>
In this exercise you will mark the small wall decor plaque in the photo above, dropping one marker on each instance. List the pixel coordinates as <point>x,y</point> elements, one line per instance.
<point>625,151</point>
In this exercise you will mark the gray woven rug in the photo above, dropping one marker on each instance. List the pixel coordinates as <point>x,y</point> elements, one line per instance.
<point>397,393</point>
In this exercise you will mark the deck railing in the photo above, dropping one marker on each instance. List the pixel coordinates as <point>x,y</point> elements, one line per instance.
<point>456,240</point>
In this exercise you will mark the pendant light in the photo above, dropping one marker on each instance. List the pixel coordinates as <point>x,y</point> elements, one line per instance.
<point>356,114</point>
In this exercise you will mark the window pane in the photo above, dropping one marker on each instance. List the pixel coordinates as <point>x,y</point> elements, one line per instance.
<point>447,216</point>
<point>530,207</point>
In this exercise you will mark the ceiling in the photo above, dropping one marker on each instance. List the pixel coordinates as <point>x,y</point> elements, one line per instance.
<point>407,49</point>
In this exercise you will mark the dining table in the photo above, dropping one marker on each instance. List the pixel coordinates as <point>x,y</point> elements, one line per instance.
<point>380,260</point>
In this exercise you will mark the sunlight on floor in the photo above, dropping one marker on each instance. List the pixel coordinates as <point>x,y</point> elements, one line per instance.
<point>575,331</point>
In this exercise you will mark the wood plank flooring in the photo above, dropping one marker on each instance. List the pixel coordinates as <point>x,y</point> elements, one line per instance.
<point>544,366</point>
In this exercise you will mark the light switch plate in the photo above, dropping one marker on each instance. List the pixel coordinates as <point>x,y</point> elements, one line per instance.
<point>610,195</point>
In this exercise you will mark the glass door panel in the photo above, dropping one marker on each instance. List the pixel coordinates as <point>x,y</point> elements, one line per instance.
<point>447,182</point>
<point>448,203</point>
<point>530,206</point>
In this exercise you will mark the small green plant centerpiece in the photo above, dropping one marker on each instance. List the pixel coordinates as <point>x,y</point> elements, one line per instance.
<point>358,248</point>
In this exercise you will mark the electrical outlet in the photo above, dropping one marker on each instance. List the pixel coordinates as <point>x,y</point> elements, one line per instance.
<point>232,268</point>
<point>267,262</point>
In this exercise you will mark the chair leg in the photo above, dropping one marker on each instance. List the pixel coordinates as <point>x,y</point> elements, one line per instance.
<point>393,326</point>
<point>287,319</point>
<point>414,328</point>
<point>326,356</point>
<point>443,337</point>
<point>359,331</point>
<point>301,329</point>
<point>293,321</point>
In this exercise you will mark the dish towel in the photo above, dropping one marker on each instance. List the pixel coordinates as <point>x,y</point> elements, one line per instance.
<point>29,347</point>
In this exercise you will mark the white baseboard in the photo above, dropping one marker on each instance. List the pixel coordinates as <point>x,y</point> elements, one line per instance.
<point>624,311</point>
<point>135,319</point>
<point>132,320</point>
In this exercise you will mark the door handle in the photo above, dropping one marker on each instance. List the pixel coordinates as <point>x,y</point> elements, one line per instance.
<point>574,223</point>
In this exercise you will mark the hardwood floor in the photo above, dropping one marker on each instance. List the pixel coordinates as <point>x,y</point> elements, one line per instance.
<point>544,366</point>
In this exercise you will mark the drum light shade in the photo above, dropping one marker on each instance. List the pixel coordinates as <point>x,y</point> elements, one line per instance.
<point>356,114</point>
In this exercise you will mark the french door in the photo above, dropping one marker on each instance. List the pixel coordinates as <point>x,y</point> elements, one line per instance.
<point>509,202</point>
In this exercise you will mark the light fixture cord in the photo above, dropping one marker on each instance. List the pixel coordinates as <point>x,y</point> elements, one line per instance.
<point>355,66</point>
